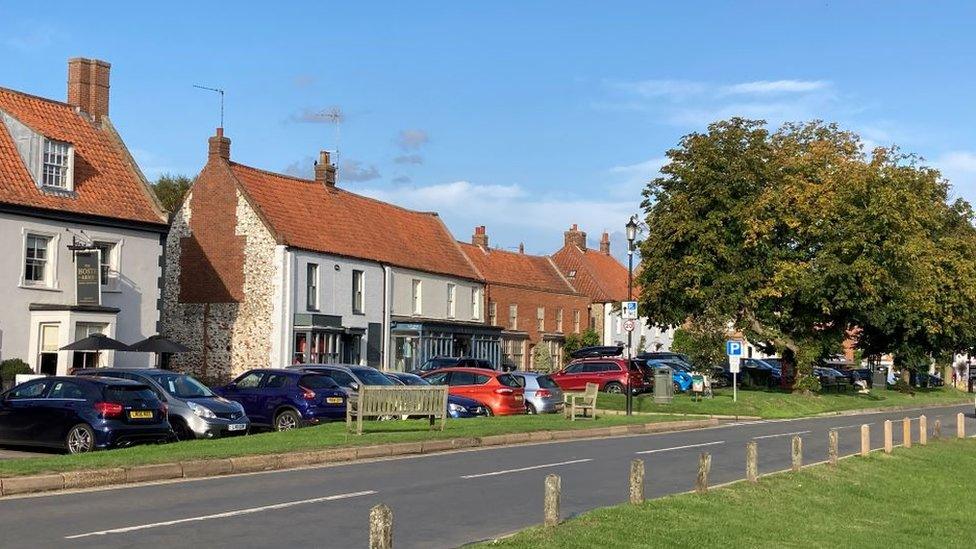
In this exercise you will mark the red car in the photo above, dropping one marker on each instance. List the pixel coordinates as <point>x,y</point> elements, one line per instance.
<point>609,372</point>
<point>500,392</point>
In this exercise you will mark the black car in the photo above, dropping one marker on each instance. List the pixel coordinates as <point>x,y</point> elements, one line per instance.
<point>439,362</point>
<point>81,414</point>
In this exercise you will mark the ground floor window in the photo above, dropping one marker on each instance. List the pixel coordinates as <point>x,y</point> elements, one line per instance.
<point>514,351</point>
<point>405,352</point>
<point>47,358</point>
<point>317,347</point>
<point>556,352</point>
<point>87,359</point>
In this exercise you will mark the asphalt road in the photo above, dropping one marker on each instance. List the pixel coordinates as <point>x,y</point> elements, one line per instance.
<point>439,500</point>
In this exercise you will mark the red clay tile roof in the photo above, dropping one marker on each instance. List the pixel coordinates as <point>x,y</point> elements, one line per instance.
<point>517,269</point>
<point>311,216</point>
<point>598,276</point>
<point>106,183</point>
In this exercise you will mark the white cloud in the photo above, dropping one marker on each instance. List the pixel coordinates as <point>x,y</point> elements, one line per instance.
<point>959,167</point>
<point>662,88</point>
<point>413,139</point>
<point>761,87</point>
<point>633,178</point>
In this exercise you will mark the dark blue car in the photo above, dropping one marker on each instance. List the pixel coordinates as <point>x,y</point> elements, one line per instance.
<point>286,399</point>
<point>81,414</point>
<point>457,406</point>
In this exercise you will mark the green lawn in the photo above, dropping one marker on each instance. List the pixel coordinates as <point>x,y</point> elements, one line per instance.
<point>915,498</point>
<point>332,435</point>
<point>779,404</point>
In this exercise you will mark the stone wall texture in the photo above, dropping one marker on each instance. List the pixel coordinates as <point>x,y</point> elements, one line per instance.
<point>233,334</point>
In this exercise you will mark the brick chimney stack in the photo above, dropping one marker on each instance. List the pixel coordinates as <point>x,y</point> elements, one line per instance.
<point>88,86</point>
<point>575,237</point>
<point>325,170</point>
<point>605,243</point>
<point>219,145</point>
<point>480,237</point>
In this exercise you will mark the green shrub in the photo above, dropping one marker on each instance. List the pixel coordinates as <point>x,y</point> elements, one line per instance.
<point>807,383</point>
<point>11,367</point>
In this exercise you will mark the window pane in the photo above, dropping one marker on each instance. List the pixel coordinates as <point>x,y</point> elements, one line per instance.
<point>462,378</point>
<point>250,381</point>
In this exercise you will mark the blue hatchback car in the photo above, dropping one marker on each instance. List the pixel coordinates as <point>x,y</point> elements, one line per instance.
<point>286,399</point>
<point>81,414</point>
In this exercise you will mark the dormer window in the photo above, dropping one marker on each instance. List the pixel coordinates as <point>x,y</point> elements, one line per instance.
<point>58,165</point>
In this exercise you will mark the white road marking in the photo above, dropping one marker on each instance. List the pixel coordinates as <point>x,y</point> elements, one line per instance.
<point>222,515</point>
<point>858,426</point>
<point>781,435</point>
<point>682,447</point>
<point>507,471</point>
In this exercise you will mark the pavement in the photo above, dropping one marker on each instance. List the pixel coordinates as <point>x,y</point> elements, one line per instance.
<point>438,500</point>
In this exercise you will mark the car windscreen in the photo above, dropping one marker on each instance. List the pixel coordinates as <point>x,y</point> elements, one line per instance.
<point>130,394</point>
<point>372,377</point>
<point>508,380</point>
<point>546,382</point>
<point>409,379</point>
<point>317,381</point>
<point>182,386</point>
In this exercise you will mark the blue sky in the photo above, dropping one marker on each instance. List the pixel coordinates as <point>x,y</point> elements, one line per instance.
<point>524,116</point>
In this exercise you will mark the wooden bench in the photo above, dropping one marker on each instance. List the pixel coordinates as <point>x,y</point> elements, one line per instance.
<point>581,402</point>
<point>373,401</point>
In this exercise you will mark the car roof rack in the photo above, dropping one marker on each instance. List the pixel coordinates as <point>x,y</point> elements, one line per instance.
<point>598,351</point>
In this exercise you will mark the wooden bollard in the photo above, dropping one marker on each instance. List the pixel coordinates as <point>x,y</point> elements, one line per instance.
<point>752,461</point>
<point>796,453</point>
<point>637,481</point>
<point>381,527</point>
<point>865,440</point>
<point>888,444</point>
<point>937,428</point>
<point>923,430</point>
<point>704,466</point>
<point>551,504</point>
<point>832,447</point>
<point>960,425</point>
<point>906,433</point>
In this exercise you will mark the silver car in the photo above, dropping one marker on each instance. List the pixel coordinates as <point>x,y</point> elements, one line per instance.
<point>542,395</point>
<point>194,410</point>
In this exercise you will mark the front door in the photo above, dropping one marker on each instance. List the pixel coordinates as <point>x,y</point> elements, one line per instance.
<point>245,391</point>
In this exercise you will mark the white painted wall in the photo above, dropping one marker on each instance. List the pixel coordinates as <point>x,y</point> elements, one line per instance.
<point>434,302</point>
<point>136,292</point>
<point>614,333</point>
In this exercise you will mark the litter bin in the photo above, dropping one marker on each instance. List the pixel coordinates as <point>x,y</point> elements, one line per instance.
<point>879,377</point>
<point>663,385</point>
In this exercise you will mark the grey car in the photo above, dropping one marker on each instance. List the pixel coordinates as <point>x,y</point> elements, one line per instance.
<point>194,410</point>
<point>542,395</point>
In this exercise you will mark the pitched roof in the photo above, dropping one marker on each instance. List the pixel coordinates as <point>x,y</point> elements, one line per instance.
<point>309,215</point>
<point>517,269</point>
<point>599,276</point>
<point>106,181</point>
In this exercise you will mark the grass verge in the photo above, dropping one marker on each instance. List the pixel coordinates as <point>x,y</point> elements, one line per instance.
<point>331,435</point>
<point>780,404</point>
<point>915,498</point>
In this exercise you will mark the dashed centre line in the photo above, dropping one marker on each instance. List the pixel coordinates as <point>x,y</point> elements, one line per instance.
<point>530,468</point>
<point>682,447</point>
<point>781,435</point>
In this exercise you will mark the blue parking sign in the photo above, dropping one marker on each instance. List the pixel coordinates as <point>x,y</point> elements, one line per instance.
<point>733,347</point>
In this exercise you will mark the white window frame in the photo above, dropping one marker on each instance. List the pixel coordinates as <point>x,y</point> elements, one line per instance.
<point>475,303</point>
<point>540,318</point>
<point>493,313</point>
<point>114,262</point>
<point>358,293</point>
<point>559,320</point>
<point>312,286</point>
<point>576,321</point>
<point>417,296</point>
<point>513,316</point>
<point>68,175</point>
<point>451,300</point>
<point>50,281</point>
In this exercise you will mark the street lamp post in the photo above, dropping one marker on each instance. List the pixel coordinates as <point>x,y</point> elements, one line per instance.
<point>631,236</point>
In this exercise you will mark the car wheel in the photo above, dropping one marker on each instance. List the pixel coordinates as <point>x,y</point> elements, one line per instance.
<point>530,409</point>
<point>677,387</point>
<point>80,439</point>
<point>181,430</point>
<point>614,388</point>
<point>287,420</point>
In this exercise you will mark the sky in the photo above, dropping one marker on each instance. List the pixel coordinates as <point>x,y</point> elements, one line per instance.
<point>525,116</point>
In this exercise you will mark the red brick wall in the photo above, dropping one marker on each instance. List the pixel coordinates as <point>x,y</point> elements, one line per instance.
<point>529,301</point>
<point>212,258</point>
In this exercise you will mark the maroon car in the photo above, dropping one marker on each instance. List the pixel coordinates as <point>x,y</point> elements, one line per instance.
<point>608,372</point>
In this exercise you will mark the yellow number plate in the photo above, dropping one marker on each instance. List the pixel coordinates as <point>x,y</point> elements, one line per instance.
<point>334,400</point>
<point>141,414</point>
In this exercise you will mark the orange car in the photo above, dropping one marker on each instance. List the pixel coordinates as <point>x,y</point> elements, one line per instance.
<point>499,391</point>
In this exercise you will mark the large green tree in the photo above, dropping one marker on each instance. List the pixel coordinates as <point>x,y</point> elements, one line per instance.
<point>799,239</point>
<point>170,190</point>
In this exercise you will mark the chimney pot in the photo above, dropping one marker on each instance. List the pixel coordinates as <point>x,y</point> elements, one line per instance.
<point>521,247</point>
<point>605,243</point>
<point>480,237</point>
<point>88,86</point>
<point>575,237</point>
<point>219,145</point>
<point>325,171</point>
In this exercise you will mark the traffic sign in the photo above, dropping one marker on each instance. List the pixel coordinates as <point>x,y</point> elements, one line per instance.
<point>629,325</point>
<point>733,347</point>
<point>734,362</point>
<point>628,310</point>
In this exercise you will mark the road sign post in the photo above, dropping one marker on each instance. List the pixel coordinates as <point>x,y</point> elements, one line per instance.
<point>733,348</point>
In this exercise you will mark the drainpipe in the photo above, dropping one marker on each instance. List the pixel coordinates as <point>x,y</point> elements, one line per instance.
<point>385,359</point>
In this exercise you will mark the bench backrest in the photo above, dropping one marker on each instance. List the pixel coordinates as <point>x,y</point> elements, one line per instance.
<point>376,400</point>
<point>591,390</point>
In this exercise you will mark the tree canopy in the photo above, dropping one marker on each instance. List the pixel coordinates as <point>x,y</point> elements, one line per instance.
<point>170,190</point>
<point>799,238</point>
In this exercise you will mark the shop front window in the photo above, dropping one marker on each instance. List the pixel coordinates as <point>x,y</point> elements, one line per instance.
<point>405,352</point>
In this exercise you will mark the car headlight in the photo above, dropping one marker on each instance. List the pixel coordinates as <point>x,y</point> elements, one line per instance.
<point>201,411</point>
<point>457,408</point>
